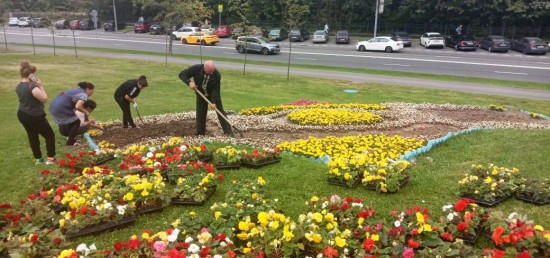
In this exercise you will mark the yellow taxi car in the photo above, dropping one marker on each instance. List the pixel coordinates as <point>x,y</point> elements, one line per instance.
<point>197,38</point>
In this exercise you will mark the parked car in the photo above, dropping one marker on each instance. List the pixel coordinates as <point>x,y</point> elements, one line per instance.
<point>495,43</point>
<point>110,25</point>
<point>386,44</point>
<point>24,22</point>
<point>40,22</point>
<point>462,42</point>
<point>207,29</point>
<point>237,32</point>
<point>256,31</point>
<point>74,25</point>
<point>13,21</point>
<point>156,29</point>
<point>223,31</point>
<point>62,24</point>
<point>184,32</point>
<point>277,34</point>
<point>342,36</point>
<point>142,26</point>
<point>530,45</point>
<point>86,24</point>
<point>297,34</point>
<point>432,39</point>
<point>201,38</point>
<point>320,36</point>
<point>256,44</point>
<point>403,36</point>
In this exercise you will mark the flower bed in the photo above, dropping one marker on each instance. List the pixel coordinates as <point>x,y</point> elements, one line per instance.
<point>317,116</point>
<point>489,185</point>
<point>387,179</point>
<point>227,158</point>
<point>260,157</point>
<point>463,220</point>
<point>534,191</point>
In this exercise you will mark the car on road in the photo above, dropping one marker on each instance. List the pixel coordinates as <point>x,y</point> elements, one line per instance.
<point>207,29</point>
<point>237,32</point>
<point>342,36</point>
<point>277,34</point>
<point>223,31</point>
<point>184,32</point>
<point>142,27</point>
<point>495,43</point>
<point>320,36</point>
<point>110,25</point>
<point>432,39</point>
<point>403,36</point>
<point>40,22</point>
<point>61,24</point>
<point>74,25</point>
<point>298,34</point>
<point>256,44</point>
<point>386,44</point>
<point>530,45</point>
<point>13,21</point>
<point>86,24</point>
<point>24,22</point>
<point>156,28</point>
<point>462,42</point>
<point>201,38</point>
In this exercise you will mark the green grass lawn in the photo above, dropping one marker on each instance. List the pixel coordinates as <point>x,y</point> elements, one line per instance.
<point>294,180</point>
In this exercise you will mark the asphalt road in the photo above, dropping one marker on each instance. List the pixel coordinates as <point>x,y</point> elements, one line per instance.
<point>328,54</point>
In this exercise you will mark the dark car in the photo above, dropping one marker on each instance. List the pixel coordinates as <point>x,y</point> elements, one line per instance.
<point>342,36</point>
<point>298,35</point>
<point>530,45</point>
<point>40,22</point>
<point>495,43</point>
<point>462,42</point>
<point>237,32</point>
<point>86,24</point>
<point>74,25</point>
<point>403,36</point>
<point>277,34</point>
<point>223,31</point>
<point>156,28</point>
<point>62,24</point>
<point>110,25</point>
<point>142,26</point>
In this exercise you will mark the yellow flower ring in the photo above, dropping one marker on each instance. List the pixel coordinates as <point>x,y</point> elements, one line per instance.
<point>321,116</point>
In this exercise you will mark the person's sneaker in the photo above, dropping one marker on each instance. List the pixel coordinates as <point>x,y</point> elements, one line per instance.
<point>50,161</point>
<point>39,161</point>
<point>135,126</point>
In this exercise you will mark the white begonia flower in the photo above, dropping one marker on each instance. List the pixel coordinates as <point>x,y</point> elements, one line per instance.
<point>152,149</point>
<point>188,240</point>
<point>156,164</point>
<point>121,209</point>
<point>107,206</point>
<point>183,148</point>
<point>150,155</point>
<point>223,244</point>
<point>397,223</point>
<point>217,256</point>
<point>450,217</point>
<point>174,236</point>
<point>447,207</point>
<point>193,248</point>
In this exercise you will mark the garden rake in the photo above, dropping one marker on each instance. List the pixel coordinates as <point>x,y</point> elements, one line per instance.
<point>219,112</point>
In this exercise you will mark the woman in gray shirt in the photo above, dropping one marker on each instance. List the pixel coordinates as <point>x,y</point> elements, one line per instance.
<point>32,97</point>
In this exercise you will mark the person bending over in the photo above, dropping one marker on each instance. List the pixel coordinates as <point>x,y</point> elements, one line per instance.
<point>127,93</point>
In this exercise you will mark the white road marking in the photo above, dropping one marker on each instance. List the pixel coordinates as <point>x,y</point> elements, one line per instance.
<point>119,44</point>
<point>397,65</point>
<point>305,58</point>
<point>543,63</point>
<point>231,53</point>
<point>511,73</point>
<point>449,56</point>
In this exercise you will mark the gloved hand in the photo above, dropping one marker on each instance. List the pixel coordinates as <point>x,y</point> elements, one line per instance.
<point>135,105</point>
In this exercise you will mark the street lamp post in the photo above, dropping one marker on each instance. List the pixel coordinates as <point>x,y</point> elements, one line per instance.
<point>114,12</point>
<point>375,16</point>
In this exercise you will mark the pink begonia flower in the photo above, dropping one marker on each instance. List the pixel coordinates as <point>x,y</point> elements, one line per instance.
<point>335,199</point>
<point>408,253</point>
<point>159,248</point>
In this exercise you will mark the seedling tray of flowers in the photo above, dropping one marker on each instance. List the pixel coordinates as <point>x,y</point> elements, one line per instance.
<point>260,163</point>
<point>402,182</point>
<point>149,209</point>
<point>228,166</point>
<point>209,193</point>
<point>334,181</point>
<point>528,199</point>
<point>103,159</point>
<point>471,239</point>
<point>487,203</point>
<point>206,158</point>
<point>102,227</point>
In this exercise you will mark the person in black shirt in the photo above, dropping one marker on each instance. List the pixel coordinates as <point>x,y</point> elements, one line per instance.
<point>126,93</point>
<point>206,79</point>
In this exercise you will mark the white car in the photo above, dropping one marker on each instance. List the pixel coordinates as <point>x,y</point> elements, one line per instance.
<point>24,22</point>
<point>432,39</point>
<point>184,32</point>
<point>379,44</point>
<point>14,21</point>
<point>207,29</point>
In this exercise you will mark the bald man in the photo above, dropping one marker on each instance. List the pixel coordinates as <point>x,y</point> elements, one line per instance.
<point>207,80</point>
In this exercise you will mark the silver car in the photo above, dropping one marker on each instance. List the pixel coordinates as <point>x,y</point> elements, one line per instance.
<point>256,44</point>
<point>320,36</point>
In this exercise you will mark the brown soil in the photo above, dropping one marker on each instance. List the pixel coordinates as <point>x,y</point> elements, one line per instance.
<point>431,123</point>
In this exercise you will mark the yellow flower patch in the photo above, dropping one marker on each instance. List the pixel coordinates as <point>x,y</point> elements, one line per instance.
<point>275,109</point>
<point>318,116</point>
